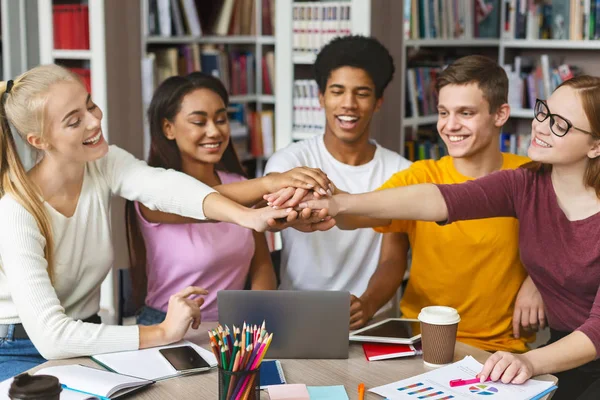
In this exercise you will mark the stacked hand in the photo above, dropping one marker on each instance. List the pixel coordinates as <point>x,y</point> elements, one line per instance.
<point>303,218</point>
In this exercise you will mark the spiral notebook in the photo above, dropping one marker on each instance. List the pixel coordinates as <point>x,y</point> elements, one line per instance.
<point>271,374</point>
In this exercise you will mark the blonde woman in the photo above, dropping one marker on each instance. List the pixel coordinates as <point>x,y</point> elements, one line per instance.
<point>55,239</point>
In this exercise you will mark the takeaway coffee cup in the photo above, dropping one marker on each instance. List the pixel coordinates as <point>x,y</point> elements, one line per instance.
<point>34,387</point>
<point>438,334</point>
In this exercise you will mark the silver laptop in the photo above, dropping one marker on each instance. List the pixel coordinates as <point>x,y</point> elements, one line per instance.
<point>305,324</point>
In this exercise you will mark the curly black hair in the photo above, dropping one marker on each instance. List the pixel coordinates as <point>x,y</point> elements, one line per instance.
<point>356,51</point>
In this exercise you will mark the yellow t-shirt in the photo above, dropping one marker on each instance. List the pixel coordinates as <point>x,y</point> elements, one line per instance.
<point>473,266</point>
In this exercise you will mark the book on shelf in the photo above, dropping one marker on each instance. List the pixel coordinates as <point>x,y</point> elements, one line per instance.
<point>420,91</point>
<point>169,18</point>
<point>552,19</point>
<point>236,69</point>
<point>71,26</point>
<point>315,23</point>
<point>515,143</point>
<point>530,79</point>
<point>308,116</point>
<point>252,132</point>
<point>451,19</point>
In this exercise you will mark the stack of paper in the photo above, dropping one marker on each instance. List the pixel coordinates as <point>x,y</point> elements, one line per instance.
<point>436,384</point>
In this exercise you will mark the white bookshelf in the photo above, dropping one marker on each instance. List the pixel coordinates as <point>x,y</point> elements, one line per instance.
<point>521,113</point>
<point>286,60</point>
<point>211,39</point>
<point>71,54</point>
<point>451,43</point>
<point>96,56</point>
<point>254,42</point>
<point>19,41</point>
<point>550,44</point>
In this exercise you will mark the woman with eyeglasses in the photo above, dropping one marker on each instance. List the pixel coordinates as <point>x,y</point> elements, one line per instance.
<point>557,201</point>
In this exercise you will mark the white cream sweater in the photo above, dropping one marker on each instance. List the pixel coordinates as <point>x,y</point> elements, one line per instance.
<point>83,250</point>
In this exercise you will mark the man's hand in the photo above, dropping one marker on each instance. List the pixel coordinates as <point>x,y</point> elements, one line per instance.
<point>307,221</point>
<point>361,312</point>
<point>300,177</point>
<point>529,309</point>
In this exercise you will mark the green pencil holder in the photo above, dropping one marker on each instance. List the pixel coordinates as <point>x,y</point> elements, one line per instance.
<point>231,384</point>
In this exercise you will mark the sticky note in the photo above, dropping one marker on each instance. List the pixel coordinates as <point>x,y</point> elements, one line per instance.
<point>327,392</point>
<point>288,392</point>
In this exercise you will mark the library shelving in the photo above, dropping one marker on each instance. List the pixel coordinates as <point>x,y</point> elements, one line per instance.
<point>19,40</point>
<point>109,65</point>
<point>292,63</point>
<point>504,46</point>
<point>234,45</point>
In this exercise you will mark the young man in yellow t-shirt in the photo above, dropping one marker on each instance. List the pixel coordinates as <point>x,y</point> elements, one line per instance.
<point>466,265</point>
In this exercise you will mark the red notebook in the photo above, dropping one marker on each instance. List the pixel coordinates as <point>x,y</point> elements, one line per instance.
<point>384,351</point>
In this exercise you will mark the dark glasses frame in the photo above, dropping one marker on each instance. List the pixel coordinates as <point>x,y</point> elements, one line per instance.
<point>552,117</point>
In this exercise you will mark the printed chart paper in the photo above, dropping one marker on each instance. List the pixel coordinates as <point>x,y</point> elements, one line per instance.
<point>435,385</point>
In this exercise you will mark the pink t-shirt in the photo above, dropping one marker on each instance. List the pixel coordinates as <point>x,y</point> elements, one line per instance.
<point>214,256</point>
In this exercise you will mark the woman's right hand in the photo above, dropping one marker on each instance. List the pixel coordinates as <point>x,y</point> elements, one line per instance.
<point>182,312</point>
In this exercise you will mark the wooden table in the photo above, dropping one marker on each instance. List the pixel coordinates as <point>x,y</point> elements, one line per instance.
<point>348,372</point>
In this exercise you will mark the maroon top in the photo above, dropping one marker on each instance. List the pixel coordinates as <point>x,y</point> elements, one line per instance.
<point>561,256</point>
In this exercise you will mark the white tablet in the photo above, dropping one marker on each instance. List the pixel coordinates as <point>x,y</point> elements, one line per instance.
<point>391,330</point>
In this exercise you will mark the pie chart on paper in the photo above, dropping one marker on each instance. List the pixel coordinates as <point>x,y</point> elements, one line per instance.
<point>483,390</point>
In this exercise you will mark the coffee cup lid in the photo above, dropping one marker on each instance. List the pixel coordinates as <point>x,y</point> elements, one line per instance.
<point>439,315</point>
<point>26,386</point>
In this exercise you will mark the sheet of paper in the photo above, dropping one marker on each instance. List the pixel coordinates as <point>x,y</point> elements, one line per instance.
<point>149,363</point>
<point>436,385</point>
<point>288,392</point>
<point>327,392</point>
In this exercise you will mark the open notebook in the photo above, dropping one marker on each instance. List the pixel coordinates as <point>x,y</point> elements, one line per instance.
<point>148,363</point>
<point>81,382</point>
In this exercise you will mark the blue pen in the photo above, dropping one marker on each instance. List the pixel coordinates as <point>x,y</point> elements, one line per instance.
<point>545,392</point>
<point>81,391</point>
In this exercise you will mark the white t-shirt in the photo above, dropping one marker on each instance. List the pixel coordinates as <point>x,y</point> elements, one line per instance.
<point>335,259</point>
<point>83,255</point>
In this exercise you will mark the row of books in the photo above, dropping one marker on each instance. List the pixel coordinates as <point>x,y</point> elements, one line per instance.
<point>424,149</point>
<point>529,80</point>
<point>314,24</point>
<point>449,19</point>
<point>71,26</point>
<point>308,116</point>
<point>235,68</point>
<point>515,143</point>
<point>430,147</point>
<point>552,19</point>
<point>420,91</point>
<point>252,132</point>
<point>216,17</point>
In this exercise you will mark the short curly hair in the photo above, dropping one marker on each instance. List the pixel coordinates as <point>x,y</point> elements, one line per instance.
<point>355,51</point>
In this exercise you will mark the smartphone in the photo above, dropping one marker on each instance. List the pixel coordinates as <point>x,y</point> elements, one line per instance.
<point>185,359</point>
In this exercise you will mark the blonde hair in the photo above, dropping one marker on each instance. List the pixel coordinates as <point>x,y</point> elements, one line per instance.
<point>24,107</point>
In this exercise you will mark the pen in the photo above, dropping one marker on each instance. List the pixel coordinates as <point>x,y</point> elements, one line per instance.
<point>361,391</point>
<point>81,391</point>
<point>462,382</point>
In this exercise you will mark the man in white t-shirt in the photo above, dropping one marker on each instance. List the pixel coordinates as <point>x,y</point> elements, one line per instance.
<point>352,73</point>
